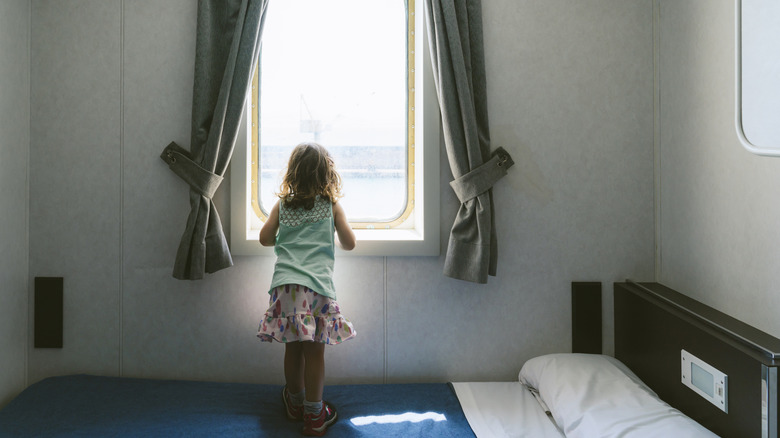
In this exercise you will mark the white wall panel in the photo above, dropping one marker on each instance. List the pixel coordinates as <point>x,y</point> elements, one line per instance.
<point>719,203</point>
<point>569,97</point>
<point>204,329</point>
<point>14,156</point>
<point>75,172</point>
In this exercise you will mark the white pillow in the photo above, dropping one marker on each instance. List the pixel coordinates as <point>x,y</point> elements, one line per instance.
<point>593,395</point>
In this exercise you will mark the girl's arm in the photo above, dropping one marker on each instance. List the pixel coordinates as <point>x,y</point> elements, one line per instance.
<point>346,236</point>
<point>270,227</point>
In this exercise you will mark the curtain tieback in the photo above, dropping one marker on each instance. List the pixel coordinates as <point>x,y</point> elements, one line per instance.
<point>482,178</point>
<point>199,179</point>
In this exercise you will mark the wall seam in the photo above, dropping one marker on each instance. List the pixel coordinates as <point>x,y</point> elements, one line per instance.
<point>384,319</point>
<point>657,137</point>
<point>121,180</point>
<point>27,195</point>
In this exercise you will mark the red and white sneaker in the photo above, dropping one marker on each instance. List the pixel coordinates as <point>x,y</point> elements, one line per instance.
<point>293,412</point>
<point>317,425</point>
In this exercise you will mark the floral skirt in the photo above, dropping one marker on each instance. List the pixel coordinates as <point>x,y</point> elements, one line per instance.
<point>297,313</point>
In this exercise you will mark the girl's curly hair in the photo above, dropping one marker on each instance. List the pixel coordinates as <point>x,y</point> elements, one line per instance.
<point>310,173</point>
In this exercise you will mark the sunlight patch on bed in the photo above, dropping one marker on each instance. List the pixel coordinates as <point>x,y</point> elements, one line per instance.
<point>411,417</point>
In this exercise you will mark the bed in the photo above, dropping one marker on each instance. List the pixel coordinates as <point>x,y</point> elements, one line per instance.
<point>635,394</point>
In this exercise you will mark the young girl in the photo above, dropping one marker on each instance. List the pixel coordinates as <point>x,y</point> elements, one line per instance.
<point>303,311</point>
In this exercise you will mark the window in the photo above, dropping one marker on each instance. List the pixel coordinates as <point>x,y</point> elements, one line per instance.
<point>344,73</point>
<point>310,88</point>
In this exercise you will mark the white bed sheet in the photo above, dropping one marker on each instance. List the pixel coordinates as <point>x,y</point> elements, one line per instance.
<point>504,409</point>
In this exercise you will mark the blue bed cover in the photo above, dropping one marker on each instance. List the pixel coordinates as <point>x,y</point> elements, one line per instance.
<point>92,406</point>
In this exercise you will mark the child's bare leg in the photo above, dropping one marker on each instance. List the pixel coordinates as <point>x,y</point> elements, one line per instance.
<point>294,365</point>
<point>314,374</point>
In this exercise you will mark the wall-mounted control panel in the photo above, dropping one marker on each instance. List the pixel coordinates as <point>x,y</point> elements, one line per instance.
<point>705,380</point>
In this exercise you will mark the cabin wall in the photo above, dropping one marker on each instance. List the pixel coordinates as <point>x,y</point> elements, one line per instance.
<point>14,153</point>
<point>719,209</point>
<point>570,97</point>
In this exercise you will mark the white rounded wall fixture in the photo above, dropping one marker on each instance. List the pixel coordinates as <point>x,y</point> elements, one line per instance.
<point>757,101</point>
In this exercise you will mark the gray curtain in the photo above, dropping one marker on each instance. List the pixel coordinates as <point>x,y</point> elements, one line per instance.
<point>227,49</point>
<point>455,37</point>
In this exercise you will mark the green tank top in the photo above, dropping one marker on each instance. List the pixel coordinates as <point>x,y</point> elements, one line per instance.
<point>305,248</point>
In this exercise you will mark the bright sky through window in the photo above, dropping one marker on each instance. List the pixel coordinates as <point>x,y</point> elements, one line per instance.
<point>336,72</point>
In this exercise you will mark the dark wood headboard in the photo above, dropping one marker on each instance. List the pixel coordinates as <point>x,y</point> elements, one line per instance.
<point>653,323</point>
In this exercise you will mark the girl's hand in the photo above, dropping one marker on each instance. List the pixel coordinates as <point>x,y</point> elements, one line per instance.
<point>346,237</point>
